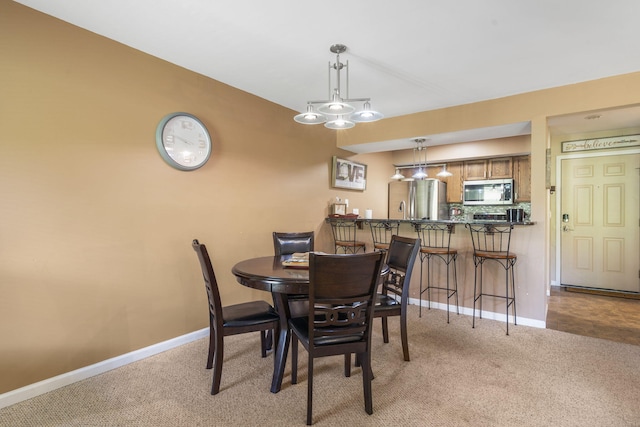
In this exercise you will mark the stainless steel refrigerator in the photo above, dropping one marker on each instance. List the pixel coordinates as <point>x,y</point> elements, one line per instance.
<point>420,199</point>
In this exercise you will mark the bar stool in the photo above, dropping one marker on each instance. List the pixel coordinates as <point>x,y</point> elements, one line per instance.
<point>491,242</point>
<point>381,232</point>
<point>435,241</point>
<point>344,235</point>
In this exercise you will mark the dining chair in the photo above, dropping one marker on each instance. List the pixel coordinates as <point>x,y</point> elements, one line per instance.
<point>381,232</point>
<point>344,236</point>
<point>393,297</point>
<point>341,298</point>
<point>492,242</point>
<point>254,316</point>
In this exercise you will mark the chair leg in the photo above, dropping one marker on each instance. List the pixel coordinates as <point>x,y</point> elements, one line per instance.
<point>310,391</point>
<point>270,340</point>
<point>217,363</point>
<point>347,364</point>
<point>365,359</point>
<point>475,298</point>
<point>403,334</point>
<point>420,294</point>
<point>513,288</point>
<point>455,284</point>
<point>263,343</point>
<point>294,359</point>
<point>385,329</point>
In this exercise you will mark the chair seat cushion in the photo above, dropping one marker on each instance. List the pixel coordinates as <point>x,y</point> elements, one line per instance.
<point>495,255</point>
<point>349,243</point>
<point>249,313</point>
<point>438,251</point>
<point>386,302</point>
<point>300,326</point>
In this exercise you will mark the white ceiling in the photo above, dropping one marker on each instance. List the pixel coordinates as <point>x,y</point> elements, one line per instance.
<point>407,55</point>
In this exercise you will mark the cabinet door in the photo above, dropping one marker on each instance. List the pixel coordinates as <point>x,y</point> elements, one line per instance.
<point>500,168</point>
<point>454,182</point>
<point>475,169</point>
<point>522,177</point>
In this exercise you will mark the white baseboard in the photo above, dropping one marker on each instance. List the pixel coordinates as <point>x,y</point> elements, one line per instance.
<point>32,390</point>
<point>485,314</point>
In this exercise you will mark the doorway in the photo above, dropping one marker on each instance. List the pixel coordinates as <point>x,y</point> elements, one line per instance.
<point>598,225</point>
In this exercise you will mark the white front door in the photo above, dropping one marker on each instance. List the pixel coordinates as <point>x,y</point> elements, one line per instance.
<point>600,212</point>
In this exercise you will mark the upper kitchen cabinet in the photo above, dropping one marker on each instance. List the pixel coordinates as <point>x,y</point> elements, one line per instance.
<point>500,168</point>
<point>475,169</point>
<point>522,178</point>
<point>488,169</point>
<point>454,182</point>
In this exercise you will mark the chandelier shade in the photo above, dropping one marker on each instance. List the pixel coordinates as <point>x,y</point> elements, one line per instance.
<point>338,112</point>
<point>366,114</point>
<point>310,117</point>
<point>339,123</point>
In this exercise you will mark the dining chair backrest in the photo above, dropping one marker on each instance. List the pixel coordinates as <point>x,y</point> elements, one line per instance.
<point>211,285</point>
<point>290,243</point>
<point>401,257</point>
<point>341,293</point>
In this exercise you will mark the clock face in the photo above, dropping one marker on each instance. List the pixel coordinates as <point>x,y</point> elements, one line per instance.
<point>183,141</point>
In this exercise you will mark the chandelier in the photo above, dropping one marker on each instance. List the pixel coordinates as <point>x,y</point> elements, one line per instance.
<point>338,112</point>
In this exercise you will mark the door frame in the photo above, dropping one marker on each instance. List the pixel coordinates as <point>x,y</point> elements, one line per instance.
<point>558,219</point>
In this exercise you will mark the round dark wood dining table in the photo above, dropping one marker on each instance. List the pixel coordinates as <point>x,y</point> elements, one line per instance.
<point>268,274</point>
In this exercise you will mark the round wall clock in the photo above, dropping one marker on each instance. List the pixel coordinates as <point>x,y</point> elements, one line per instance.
<point>183,141</point>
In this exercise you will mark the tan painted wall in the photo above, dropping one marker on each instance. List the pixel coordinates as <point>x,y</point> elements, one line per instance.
<point>96,229</point>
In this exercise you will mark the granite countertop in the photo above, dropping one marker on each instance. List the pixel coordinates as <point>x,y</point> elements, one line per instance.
<point>445,221</point>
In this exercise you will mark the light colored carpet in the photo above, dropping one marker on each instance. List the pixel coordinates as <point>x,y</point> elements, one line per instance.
<point>457,376</point>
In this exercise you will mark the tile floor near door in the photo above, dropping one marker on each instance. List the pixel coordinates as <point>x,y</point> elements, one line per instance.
<point>599,316</point>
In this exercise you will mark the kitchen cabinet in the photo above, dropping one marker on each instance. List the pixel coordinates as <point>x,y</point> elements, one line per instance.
<point>522,178</point>
<point>454,182</point>
<point>475,169</point>
<point>488,169</point>
<point>500,168</point>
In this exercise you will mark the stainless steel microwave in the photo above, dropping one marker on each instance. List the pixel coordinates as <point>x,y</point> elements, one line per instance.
<point>488,192</point>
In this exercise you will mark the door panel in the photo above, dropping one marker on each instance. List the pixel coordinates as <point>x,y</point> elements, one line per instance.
<point>600,237</point>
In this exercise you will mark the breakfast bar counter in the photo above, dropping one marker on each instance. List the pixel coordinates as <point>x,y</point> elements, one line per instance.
<point>524,232</point>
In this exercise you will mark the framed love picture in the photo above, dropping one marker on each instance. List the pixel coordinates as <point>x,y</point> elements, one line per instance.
<point>348,174</point>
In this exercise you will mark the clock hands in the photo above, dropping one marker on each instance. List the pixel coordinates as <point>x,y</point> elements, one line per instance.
<point>182,139</point>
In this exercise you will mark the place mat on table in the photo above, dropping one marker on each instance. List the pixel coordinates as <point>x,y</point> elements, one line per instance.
<point>297,260</point>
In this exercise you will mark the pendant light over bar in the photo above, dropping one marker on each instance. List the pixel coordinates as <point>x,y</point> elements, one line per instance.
<point>338,112</point>
<point>444,173</point>
<point>420,148</point>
